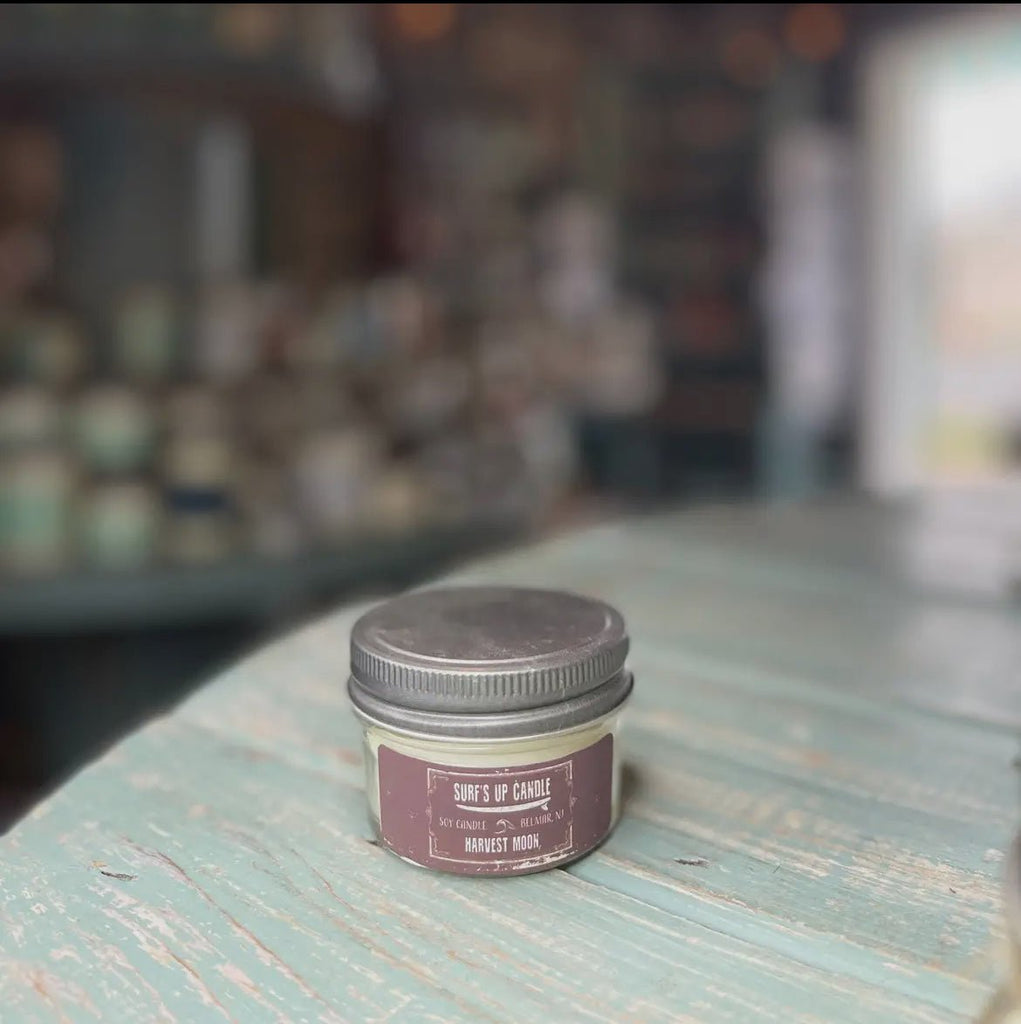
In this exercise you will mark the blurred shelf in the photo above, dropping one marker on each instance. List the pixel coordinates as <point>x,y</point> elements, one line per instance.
<point>176,73</point>
<point>708,406</point>
<point>683,75</point>
<point>661,211</point>
<point>252,587</point>
<point>732,282</point>
<point>742,363</point>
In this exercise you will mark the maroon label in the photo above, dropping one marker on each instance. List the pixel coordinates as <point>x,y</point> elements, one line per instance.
<point>495,821</point>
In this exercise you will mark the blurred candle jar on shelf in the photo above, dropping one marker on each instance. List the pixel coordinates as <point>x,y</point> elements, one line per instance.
<point>227,323</point>
<point>119,525</point>
<point>44,347</point>
<point>36,489</point>
<point>36,483</point>
<point>115,430</point>
<point>197,410</point>
<point>30,419</point>
<point>147,333</point>
<point>333,473</point>
<point>490,717</point>
<point>198,479</point>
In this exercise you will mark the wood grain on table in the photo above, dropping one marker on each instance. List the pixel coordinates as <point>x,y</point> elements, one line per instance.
<point>819,791</point>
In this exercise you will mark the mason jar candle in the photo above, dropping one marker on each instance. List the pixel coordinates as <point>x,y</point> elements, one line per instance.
<point>490,718</point>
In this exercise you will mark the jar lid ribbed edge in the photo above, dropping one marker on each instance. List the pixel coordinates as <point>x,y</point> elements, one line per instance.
<point>570,714</point>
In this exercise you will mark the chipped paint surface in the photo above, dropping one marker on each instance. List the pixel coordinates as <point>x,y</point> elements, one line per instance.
<point>818,791</point>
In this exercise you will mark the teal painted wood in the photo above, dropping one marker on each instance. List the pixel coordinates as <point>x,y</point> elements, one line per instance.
<point>819,791</point>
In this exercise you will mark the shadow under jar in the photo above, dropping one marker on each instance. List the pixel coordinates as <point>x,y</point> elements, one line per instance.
<point>490,717</point>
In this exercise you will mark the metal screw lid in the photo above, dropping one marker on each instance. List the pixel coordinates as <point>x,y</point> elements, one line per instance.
<point>480,650</point>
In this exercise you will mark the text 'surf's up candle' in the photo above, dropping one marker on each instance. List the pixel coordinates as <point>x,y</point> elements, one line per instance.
<point>490,720</point>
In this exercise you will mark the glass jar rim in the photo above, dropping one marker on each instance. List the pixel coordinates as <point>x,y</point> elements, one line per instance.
<point>570,715</point>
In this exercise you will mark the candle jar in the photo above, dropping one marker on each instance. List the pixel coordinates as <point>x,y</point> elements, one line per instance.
<point>490,725</point>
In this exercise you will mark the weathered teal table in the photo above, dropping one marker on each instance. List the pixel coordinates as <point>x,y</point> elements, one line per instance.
<point>820,791</point>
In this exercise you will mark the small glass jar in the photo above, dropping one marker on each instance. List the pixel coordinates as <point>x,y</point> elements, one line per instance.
<point>490,718</point>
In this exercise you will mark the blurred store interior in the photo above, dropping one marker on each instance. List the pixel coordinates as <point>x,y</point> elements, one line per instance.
<point>302,303</point>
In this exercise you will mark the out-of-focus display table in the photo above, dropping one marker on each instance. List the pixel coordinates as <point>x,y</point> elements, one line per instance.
<point>819,793</point>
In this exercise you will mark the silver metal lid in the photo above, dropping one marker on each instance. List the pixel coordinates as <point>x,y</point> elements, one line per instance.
<point>487,651</point>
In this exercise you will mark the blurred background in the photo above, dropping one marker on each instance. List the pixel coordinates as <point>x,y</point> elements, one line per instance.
<point>306,302</point>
